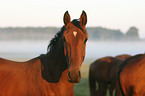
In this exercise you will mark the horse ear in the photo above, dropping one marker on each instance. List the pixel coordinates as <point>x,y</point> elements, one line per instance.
<point>66,18</point>
<point>83,18</point>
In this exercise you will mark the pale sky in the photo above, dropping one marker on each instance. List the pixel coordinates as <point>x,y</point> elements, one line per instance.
<point>114,14</point>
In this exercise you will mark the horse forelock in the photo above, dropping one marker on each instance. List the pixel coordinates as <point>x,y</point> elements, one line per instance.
<point>76,23</point>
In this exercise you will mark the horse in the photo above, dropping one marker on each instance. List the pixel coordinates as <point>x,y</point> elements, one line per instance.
<point>53,73</point>
<point>113,74</point>
<point>123,56</point>
<point>132,77</point>
<point>104,71</point>
<point>99,72</point>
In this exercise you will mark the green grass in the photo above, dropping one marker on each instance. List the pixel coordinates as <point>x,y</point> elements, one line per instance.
<point>82,88</point>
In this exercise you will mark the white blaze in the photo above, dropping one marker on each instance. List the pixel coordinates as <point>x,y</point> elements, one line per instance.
<point>75,33</point>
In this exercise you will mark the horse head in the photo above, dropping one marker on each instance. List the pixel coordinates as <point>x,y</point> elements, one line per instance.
<point>75,37</point>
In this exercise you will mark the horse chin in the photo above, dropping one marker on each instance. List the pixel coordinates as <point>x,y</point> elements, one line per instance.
<point>72,81</point>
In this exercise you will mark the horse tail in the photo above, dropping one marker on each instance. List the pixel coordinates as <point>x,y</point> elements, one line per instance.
<point>120,83</point>
<point>92,83</point>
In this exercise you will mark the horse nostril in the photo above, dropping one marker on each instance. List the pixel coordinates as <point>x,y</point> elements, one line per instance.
<point>79,74</point>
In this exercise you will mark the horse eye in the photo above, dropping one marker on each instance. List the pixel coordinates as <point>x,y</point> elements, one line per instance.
<point>85,40</point>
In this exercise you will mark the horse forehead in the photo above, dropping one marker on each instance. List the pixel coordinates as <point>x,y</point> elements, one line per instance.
<point>75,33</point>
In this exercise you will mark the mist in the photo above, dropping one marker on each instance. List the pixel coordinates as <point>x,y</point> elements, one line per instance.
<point>25,50</point>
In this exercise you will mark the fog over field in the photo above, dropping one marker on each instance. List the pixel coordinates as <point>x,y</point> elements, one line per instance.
<point>25,50</point>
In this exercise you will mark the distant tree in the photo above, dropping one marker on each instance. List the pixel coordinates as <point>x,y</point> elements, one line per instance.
<point>104,34</point>
<point>45,33</point>
<point>132,34</point>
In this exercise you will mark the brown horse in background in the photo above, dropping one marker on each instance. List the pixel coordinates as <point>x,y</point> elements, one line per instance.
<point>132,76</point>
<point>123,57</point>
<point>113,74</point>
<point>51,74</point>
<point>104,71</point>
<point>99,72</point>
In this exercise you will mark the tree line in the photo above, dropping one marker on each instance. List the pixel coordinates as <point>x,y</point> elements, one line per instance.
<point>44,33</point>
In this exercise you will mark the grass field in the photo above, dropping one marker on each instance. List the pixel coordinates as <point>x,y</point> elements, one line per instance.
<point>82,88</point>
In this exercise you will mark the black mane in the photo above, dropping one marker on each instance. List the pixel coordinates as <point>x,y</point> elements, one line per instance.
<point>54,40</point>
<point>58,35</point>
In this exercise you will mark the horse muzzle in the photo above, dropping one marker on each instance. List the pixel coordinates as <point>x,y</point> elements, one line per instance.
<point>74,76</point>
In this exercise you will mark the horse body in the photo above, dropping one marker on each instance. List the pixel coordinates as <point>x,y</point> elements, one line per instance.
<point>99,71</point>
<point>50,74</point>
<point>104,71</point>
<point>25,79</point>
<point>123,57</point>
<point>132,77</point>
<point>116,69</point>
<point>113,74</point>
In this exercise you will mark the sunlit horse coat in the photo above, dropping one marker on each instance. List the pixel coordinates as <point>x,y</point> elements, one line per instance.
<point>132,76</point>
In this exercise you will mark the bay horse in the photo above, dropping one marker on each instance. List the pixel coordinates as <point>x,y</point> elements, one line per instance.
<point>113,74</point>
<point>104,71</point>
<point>99,72</point>
<point>53,73</point>
<point>132,76</point>
<point>123,56</point>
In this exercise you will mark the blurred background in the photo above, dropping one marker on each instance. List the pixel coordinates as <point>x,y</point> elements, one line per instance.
<point>24,43</point>
<point>114,27</point>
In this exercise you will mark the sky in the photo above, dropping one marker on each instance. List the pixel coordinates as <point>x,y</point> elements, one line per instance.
<point>112,14</point>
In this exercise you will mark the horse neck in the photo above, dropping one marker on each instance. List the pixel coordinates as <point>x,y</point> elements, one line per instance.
<point>54,63</point>
<point>57,54</point>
